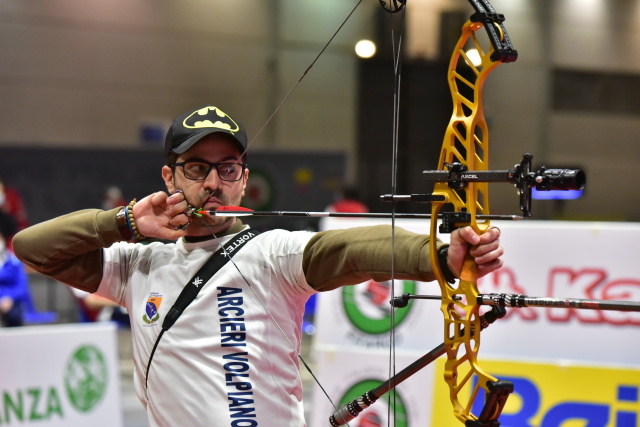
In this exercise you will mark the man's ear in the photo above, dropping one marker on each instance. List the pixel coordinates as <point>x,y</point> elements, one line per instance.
<point>246,177</point>
<point>167,176</point>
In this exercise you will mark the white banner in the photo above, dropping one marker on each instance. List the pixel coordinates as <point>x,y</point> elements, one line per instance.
<point>583,260</point>
<point>350,374</point>
<point>60,375</point>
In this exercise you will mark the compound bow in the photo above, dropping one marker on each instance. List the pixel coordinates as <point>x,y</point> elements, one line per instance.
<point>462,181</point>
<point>466,148</point>
<point>459,182</point>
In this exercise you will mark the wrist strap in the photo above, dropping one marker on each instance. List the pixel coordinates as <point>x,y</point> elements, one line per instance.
<point>444,267</point>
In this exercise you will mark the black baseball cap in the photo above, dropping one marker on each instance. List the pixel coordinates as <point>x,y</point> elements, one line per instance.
<point>191,127</point>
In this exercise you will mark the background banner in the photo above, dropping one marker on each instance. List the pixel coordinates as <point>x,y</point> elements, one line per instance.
<point>62,375</point>
<point>545,349</point>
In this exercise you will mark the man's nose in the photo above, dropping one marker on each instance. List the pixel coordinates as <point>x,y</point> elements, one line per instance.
<point>212,180</point>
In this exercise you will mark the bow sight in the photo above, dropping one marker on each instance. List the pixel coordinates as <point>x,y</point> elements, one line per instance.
<point>457,176</point>
<point>521,176</point>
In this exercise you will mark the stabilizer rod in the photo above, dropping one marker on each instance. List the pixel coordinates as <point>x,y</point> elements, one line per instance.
<point>353,408</point>
<point>517,301</point>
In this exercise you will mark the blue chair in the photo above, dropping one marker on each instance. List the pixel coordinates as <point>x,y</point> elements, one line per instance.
<point>34,317</point>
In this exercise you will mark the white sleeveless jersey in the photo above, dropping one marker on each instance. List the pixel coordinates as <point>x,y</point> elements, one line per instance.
<point>224,362</point>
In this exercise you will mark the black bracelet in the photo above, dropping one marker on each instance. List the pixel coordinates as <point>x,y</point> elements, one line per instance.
<point>442,260</point>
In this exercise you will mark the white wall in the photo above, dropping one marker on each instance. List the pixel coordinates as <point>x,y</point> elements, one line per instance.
<point>591,35</point>
<point>77,72</point>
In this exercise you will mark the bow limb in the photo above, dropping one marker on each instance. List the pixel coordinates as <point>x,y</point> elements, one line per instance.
<point>466,147</point>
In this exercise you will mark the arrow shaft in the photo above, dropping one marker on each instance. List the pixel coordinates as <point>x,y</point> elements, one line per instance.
<point>341,214</point>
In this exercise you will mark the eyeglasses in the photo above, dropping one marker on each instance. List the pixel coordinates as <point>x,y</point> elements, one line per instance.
<point>199,170</point>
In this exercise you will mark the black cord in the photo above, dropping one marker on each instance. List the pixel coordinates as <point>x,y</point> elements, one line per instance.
<point>146,378</point>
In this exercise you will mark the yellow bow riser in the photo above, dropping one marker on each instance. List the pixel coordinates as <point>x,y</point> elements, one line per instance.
<point>466,142</point>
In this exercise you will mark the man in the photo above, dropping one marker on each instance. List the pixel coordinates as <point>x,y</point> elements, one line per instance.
<point>231,356</point>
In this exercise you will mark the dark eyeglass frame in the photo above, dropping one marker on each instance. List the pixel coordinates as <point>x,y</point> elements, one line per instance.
<point>212,166</point>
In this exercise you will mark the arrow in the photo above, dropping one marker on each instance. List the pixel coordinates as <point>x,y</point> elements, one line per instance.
<point>240,211</point>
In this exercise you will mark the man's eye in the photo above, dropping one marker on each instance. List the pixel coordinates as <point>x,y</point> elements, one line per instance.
<point>197,168</point>
<point>228,169</point>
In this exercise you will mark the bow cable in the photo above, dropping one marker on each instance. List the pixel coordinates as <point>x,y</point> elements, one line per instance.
<point>243,153</point>
<point>397,78</point>
<point>397,6</point>
<point>299,80</point>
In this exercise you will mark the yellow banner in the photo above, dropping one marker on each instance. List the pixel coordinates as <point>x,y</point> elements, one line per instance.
<point>548,395</point>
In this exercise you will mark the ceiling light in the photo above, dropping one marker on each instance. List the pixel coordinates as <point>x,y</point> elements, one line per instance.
<point>365,48</point>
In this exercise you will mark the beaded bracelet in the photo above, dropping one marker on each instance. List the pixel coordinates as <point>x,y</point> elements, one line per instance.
<point>131,222</point>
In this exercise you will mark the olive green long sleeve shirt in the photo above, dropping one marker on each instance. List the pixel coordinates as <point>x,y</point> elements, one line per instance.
<point>69,249</point>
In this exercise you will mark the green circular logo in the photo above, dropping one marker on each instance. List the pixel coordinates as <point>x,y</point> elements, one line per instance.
<point>86,378</point>
<point>367,305</point>
<point>376,414</point>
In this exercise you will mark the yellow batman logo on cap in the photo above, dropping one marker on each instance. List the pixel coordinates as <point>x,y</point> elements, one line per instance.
<point>210,117</point>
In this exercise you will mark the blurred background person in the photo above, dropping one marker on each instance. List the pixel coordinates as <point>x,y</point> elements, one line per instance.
<point>11,203</point>
<point>348,201</point>
<point>14,291</point>
<point>112,198</point>
<point>94,308</point>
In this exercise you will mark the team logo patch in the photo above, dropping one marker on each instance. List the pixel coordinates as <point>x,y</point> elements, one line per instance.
<point>151,314</point>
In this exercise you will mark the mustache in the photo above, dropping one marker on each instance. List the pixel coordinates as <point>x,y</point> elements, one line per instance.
<point>209,192</point>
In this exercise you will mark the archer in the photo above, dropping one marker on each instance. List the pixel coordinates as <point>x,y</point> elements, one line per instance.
<point>216,315</point>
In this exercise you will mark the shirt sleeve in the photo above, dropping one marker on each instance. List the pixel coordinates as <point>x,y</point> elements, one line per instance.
<point>69,248</point>
<point>337,258</point>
